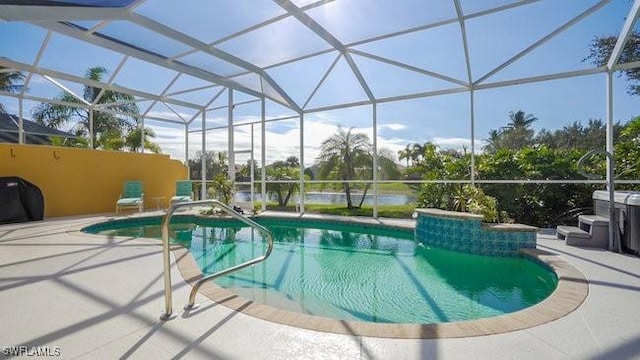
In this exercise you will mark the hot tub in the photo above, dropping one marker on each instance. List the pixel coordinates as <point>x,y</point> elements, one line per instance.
<point>627,205</point>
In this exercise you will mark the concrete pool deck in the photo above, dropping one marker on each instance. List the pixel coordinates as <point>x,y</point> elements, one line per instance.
<point>97,297</point>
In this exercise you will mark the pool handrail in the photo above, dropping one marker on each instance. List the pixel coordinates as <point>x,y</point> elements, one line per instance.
<point>167,261</point>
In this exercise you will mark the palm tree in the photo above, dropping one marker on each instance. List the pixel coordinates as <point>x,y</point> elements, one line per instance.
<point>515,135</point>
<point>109,129</point>
<point>520,120</point>
<point>133,140</point>
<point>387,170</point>
<point>283,191</point>
<point>405,154</point>
<point>10,81</point>
<point>417,152</point>
<point>292,161</point>
<point>494,142</point>
<point>287,176</point>
<point>518,131</point>
<point>215,163</point>
<point>341,155</point>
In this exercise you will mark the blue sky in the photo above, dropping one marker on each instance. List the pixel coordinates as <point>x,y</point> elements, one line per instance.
<point>492,40</point>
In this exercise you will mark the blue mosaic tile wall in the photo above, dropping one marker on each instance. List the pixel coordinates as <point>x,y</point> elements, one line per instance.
<point>468,235</point>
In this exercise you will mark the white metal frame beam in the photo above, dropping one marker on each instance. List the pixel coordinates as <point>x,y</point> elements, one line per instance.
<point>148,56</point>
<point>111,78</point>
<point>625,66</point>
<point>312,25</point>
<point>134,101</point>
<point>41,51</point>
<point>84,81</point>
<point>627,28</point>
<point>465,46</point>
<point>163,93</point>
<point>200,46</point>
<point>41,99</point>
<point>263,154</point>
<point>302,190</point>
<point>322,80</point>
<point>375,175</point>
<point>234,105</point>
<point>59,13</point>
<point>410,30</point>
<point>66,89</point>
<point>174,111</point>
<point>254,27</point>
<point>230,139</point>
<point>544,39</point>
<point>409,67</point>
<point>204,108</point>
<point>129,13</point>
<point>359,42</point>
<point>534,79</point>
<point>81,106</point>
<point>389,99</point>
<point>148,117</point>
<point>426,72</point>
<point>220,127</point>
<point>186,91</point>
<point>443,22</point>
<point>25,86</point>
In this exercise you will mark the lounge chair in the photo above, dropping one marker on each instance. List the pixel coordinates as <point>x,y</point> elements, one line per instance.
<point>132,196</point>
<point>184,192</point>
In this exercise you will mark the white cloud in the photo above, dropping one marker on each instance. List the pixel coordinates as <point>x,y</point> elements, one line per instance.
<point>394,127</point>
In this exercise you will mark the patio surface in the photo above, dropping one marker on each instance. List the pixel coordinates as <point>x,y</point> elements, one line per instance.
<point>94,297</point>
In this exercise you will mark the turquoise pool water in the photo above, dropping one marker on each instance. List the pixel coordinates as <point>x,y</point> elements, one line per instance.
<point>354,272</point>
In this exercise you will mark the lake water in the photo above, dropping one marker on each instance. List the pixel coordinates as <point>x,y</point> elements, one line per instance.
<point>335,198</point>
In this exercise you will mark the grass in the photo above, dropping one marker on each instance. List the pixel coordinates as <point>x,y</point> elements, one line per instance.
<point>388,211</point>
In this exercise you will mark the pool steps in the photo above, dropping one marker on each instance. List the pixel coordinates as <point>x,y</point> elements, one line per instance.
<point>592,231</point>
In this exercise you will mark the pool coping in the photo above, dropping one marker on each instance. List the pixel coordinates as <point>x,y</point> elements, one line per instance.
<point>570,293</point>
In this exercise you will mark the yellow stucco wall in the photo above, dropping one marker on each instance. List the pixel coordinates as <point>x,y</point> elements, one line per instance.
<point>80,181</point>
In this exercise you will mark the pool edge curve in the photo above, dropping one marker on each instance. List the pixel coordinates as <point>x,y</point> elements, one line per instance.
<point>571,291</point>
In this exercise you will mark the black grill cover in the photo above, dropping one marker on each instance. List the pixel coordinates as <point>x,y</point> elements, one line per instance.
<point>20,200</point>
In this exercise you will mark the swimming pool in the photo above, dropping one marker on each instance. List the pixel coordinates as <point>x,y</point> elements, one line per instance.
<point>352,272</point>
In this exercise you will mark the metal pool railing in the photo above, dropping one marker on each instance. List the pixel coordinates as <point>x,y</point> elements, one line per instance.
<point>167,261</point>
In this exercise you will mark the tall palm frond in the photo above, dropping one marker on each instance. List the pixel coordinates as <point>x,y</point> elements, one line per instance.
<point>405,154</point>
<point>520,120</point>
<point>133,140</point>
<point>10,81</point>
